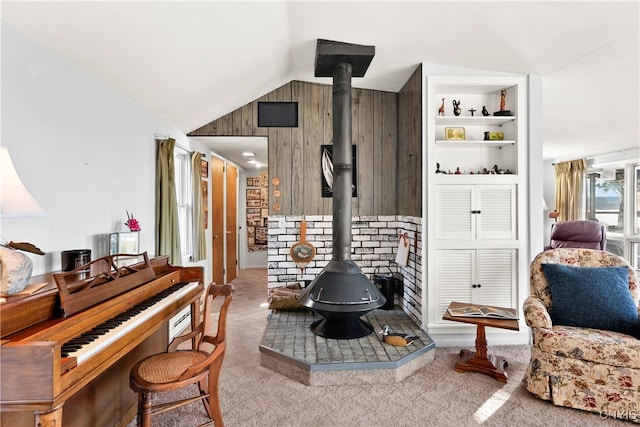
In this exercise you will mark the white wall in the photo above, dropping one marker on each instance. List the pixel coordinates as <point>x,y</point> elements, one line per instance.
<point>84,151</point>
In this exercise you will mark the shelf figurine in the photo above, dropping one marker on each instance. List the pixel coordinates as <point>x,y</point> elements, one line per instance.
<point>457,172</point>
<point>441,109</point>
<point>484,111</point>
<point>456,107</point>
<point>503,104</point>
<point>472,110</point>
<point>438,169</point>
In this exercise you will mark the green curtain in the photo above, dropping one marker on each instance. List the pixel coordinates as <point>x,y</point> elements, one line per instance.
<point>199,242</point>
<point>570,178</point>
<point>167,229</point>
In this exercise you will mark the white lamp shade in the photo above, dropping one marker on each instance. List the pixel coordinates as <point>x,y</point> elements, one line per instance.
<point>15,200</point>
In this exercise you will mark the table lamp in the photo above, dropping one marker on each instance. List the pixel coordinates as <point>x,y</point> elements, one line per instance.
<point>15,202</point>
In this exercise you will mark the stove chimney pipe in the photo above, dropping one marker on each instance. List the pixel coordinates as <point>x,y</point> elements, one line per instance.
<point>342,162</point>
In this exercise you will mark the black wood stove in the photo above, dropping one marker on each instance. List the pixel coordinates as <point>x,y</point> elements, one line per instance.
<point>341,293</point>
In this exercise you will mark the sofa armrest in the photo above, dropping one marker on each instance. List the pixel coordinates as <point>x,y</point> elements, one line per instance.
<point>535,313</point>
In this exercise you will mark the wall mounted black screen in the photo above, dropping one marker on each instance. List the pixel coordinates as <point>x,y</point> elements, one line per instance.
<point>278,114</point>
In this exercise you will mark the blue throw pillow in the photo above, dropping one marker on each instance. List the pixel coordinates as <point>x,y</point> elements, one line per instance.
<point>592,297</point>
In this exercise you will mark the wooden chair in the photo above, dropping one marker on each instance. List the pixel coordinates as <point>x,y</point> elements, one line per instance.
<point>178,368</point>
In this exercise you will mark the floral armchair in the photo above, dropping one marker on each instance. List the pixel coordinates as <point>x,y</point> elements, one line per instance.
<point>586,368</point>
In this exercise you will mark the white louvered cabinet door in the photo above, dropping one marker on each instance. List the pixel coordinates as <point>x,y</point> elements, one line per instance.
<point>455,271</point>
<point>478,276</point>
<point>496,277</point>
<point>496,212</point>
<point>475,212</point>
<point>454,219</point>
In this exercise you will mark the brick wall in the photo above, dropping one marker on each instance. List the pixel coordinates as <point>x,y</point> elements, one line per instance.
<point>373,248</point>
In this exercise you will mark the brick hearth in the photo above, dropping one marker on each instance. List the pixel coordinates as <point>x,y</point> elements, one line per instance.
<point>290,348</point>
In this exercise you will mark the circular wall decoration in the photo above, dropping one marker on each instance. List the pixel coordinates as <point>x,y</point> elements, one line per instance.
<point>277,193</point>
<point>275,181</point>
<point>276,207</point>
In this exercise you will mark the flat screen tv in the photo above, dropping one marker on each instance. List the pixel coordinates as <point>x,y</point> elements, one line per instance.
<point>277,114</point>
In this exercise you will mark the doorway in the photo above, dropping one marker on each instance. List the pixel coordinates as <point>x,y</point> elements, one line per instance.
<point>246,157</point>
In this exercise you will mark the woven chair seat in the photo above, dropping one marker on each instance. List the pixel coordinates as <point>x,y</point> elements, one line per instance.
<point>167,367</point>
<point>180,367</point>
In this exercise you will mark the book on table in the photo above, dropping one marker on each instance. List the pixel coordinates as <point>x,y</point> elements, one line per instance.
<point>473,310</point>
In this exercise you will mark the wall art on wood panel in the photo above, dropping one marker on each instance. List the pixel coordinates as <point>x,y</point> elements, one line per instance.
<point>257,211</point>
<point>326,167</point>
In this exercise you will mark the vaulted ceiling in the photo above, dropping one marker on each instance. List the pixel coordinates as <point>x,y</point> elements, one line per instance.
<point>192,62</point>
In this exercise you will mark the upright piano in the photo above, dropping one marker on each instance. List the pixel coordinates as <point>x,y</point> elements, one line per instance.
<point>66,350</point>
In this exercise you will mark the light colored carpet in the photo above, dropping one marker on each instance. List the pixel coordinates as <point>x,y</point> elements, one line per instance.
<point>252,395</point>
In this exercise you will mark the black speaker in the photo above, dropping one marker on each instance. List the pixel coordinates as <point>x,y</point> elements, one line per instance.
<point>75,258</point>
<point>277,114</point>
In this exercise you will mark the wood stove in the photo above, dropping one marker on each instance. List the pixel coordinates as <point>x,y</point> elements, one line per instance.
<point>341,293</point>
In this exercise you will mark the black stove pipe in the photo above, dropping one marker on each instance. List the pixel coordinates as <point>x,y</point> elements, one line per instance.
<point>342,162</point>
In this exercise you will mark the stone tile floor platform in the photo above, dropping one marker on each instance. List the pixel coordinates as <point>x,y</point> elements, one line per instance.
<point>289,347</point>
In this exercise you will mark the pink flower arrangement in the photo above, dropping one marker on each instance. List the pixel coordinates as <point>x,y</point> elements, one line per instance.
<point>132,223</point>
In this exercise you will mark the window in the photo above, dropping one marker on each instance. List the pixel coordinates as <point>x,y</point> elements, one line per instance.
<point>184,197</point>
<point>636,192</point>
<point>635,242</point>
<point>613,198</point>
<point>605,199</point>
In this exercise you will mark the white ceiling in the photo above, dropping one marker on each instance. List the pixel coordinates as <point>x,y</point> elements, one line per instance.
<point>192,62</point>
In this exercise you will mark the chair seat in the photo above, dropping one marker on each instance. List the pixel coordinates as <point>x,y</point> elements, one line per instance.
<point>167,367</point>
<point>180,367</point>
<point>591,345</point>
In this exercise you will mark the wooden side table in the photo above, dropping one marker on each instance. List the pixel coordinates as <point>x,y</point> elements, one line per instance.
<point>480,361</point>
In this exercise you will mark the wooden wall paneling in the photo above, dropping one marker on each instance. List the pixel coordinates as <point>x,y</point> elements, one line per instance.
<point>298,159</point>
<point>365,142</point>
<point>355,139</point>
<point>416,138</point>
<point>311,115</point>
<point>386,131</point>
<point>258,131</point>
<point>225,125</point>
<point>389,139</point>
<point>281,139</point>
<point>274,173</point>
<point>327,106</point>
<point>409,146</point>
<point>246,128</point>
<point>236,122</point>
<point>378,153</point>
<point>209,129</point>
<point>384,154</point>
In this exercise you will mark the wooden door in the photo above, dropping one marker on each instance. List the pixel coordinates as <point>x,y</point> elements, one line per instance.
<point>232,226</point>
<point>217,219</point>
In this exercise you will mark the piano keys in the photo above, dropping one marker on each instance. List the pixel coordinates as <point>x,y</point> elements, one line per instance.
<point>41,371</point>
<point>91,342</point>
